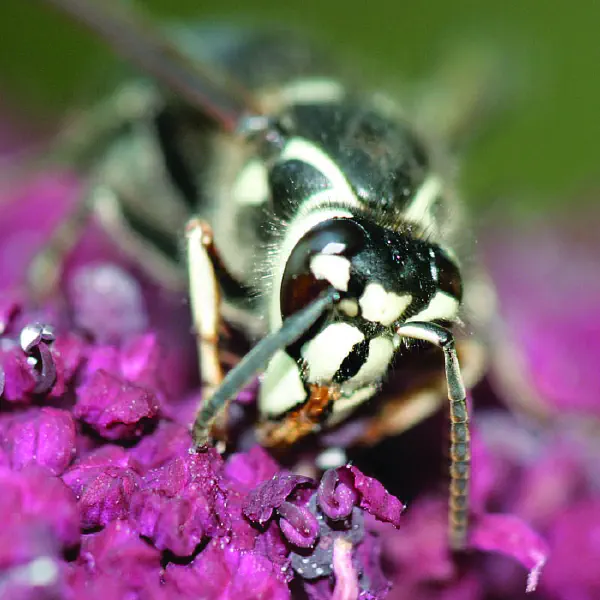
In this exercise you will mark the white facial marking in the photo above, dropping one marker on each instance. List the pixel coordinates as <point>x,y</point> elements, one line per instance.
<point>251,187</point>
<point>335,269</point>
<point>343,406</point>
<point>333,248</point>
<point>305,151</point>
<point>441,306</point>
<point>381,351</point>
<point>313,90</point>
<point>282,386</point>
<point>325,353</point>
<point>383,307</point>
<point>348,307</point>
<point>419,210</point>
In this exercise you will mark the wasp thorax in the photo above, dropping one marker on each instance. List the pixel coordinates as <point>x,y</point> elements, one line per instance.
<point>322,258</point>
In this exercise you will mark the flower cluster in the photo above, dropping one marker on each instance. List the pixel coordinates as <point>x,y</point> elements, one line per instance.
<point>102,496</point>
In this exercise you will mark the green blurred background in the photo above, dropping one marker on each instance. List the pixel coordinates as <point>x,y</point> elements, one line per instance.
<point>542,155</point>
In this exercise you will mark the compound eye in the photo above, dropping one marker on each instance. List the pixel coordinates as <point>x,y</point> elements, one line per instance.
<point>449,277</point>
<point>321,258</point>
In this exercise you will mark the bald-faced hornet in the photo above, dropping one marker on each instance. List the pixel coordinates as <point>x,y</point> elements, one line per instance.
<point>318,217</point>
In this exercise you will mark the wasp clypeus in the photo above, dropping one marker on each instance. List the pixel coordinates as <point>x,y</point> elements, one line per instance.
<point>317,217</point>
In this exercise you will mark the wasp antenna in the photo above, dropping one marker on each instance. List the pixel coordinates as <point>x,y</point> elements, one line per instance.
<point>135,38</point>
<point>291,330</point>
<point>460,438</point>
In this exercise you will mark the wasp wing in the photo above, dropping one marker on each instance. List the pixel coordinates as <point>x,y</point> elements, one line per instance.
<point>137,39</point>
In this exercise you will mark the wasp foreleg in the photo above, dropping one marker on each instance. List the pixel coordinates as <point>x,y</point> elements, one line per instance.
<point>46,268</point>
<point>205,306</point>
<point>257,359</point>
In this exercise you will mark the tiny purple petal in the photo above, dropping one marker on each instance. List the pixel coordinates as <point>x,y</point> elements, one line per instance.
<point>34,493</point>
<point>107,497</point>
<point>247,395</point>
<point>572,571</point>
<point>272,544</point>
<point>115,408</point>
<point>221,571</point>
<point>19,377</point>
<point>70,351</point>
<point>119,552</point>
<point>94,586</point>
<point>177,524</point>
<point>374,498</point>
<point>9,308</point>
<point>170,440</point>
<point>419,552</point>
<point>87,469</point>
<point>207,576</point>
<point>509,535</point>
<point>270,495</point>
<point>142,361</point>
<point>105,358</point>
<point>336,494</point>
<point>23,538</point>
<point>373,581</point>
<point>246,470</point>
<point>169,479</point>
<point>255,578</point>
<point>298,525</point>
<point>45,437</point>
<point>180,503</point>
<point>107,302</point>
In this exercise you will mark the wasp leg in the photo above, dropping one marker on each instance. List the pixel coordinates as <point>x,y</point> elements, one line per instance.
<point>205,307</point>
<point>460,438</point>
<point>161,269</point>
<point>85,134</point>
<point>101,202</point>
<point>45,270</point>
<point>78,143</point>
<point>293,328</point>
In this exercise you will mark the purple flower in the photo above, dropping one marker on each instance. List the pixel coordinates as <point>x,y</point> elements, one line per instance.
<point>107,497</point>
<point>36,496</point>
<point>115,408</point>
<point>42,436</point>
<point>222,572</point>
<point>375,499</point>
<point>10,306</point>
<point>169,441</point>
<point>103,485</point>
<point>118,553</point>
<point>271,495</point>
<point>179,502</point>
<point>107,302</point>
<point>249,469</point>
<point>18,378</point>
<point>99,482</point>
<point>547,361</point>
